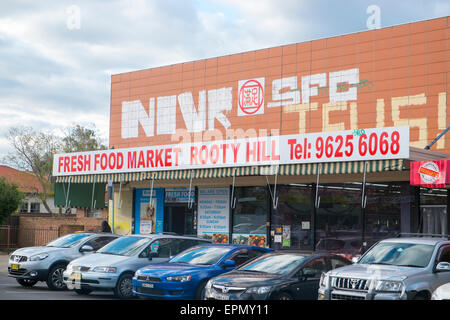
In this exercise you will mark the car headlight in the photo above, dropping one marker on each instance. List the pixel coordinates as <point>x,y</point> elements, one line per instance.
<point>324,279</point>
<point>38,257</point>
<point>104,269</point>
<point>179,278</point>
<point>258,290</point>
<point>389,286</point>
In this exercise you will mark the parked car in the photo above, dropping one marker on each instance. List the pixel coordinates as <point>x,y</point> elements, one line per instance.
<point>279,275</point>
<point>47,263</point>
<point>393,269</point>
<point>113,266</point>
<point>185,275</point>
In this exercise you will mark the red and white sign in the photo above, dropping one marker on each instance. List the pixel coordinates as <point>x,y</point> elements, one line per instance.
<point>251,97</point>
<point>358,145</point>
<point>429,174</point>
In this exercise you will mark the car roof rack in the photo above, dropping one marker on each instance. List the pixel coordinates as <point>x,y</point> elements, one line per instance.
<point>430,235</point>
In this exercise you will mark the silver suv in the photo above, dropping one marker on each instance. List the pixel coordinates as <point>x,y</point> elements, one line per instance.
<point>113,266</point>
<point>47,263</point>
<point>393,269</point>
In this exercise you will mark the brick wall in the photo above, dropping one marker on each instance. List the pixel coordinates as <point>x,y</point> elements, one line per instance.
<point>40,229</point>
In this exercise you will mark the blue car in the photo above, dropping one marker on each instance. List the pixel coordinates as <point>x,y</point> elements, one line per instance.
<point>186,274</point>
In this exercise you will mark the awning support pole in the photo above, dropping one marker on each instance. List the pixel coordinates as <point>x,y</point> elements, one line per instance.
<point>151,200</point>
<point>93,190</point>
<point>317,201</point>
<point>67,195</point>
<point>274,194</point>
<point>120,192</point>
<point>363,195</point>
<point>233,199</point>
<point>190,202</point>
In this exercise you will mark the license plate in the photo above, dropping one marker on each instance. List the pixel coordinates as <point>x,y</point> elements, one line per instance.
<point>14,267</point>
<point>218,296</point>
<point>75,276</point>
<point>147,285</point>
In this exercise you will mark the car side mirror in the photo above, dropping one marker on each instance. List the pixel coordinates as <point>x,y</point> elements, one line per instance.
<point>87,248</point>
<point>355,259</point>
<point>443,266</point>
<point>229,264</point>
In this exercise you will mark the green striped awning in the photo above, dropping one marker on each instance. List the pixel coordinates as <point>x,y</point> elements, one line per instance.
<point>301,169</point>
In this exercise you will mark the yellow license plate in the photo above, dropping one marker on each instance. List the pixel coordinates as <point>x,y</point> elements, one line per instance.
<point>75,276</point>
<point>14,267</point>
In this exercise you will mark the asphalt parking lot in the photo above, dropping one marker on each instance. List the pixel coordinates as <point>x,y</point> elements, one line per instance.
<point>11,290</point>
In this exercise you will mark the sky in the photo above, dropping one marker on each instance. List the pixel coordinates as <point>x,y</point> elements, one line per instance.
<point>57,57</point>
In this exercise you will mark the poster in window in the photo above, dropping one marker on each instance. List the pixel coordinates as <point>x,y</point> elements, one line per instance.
<point>213,214</point>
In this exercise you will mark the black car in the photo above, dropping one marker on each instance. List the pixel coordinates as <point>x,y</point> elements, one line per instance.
<point>278,275</point>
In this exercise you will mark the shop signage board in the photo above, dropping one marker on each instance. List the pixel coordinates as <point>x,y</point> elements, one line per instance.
<point>213,221</point>
<point>430,174</point>
<point>179,195</point>
<point>348,145</point>
<point>149,211</point>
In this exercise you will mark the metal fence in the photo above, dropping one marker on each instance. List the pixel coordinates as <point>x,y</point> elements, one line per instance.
<point>12,237</point>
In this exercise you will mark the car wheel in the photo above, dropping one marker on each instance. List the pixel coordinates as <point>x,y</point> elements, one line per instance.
<point>200,291</point>
<point>420,296</point>
<point>124,287</point>
<point>28,283</point>
<point>83,292</point>
<point>55,279</point>
<point>284,296</point>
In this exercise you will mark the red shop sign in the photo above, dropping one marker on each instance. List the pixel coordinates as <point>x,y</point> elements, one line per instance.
<point>430,174</point>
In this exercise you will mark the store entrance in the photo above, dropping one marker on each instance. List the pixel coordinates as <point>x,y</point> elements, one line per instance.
<point>178,218</point>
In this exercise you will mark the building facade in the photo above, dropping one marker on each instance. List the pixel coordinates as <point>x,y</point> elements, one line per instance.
<point>305,146</point>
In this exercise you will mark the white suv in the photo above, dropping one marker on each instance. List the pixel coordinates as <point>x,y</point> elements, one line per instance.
<point>47,263</point>
<point>393,269</point>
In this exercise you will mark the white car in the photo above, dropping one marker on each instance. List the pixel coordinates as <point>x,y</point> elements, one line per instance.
<point>442,293</point>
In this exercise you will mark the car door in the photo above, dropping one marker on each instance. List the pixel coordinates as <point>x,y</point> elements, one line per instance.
<point>440,278</point>
<point>307,279</point>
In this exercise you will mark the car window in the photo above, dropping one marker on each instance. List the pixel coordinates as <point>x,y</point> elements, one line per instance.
<point>444,254</point>
<point>187,243</point>
<point>245,255</point>
<point>337,263</point>
<point>316,267</point>
<point>99,242</point>
<point>162,248</point>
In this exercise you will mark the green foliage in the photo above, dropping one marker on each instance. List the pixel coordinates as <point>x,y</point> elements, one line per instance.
<point>79,139</point>
<point>10,198</point>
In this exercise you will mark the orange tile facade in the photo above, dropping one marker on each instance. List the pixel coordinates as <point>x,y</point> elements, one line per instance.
<point>402,79</point>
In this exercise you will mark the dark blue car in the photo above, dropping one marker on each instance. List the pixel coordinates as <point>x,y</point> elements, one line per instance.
<point>186,274</point>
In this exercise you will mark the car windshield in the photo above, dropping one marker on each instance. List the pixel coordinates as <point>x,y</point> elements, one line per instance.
<point>68,241</point>
<point>126,246</point>
<point>201,255</point>
<point>277,264</point>
<point>399,254</point>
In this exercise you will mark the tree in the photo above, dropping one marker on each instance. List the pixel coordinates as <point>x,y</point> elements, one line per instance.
<point>79,139</point>
<point>10,198</point>
<point>33,152</point>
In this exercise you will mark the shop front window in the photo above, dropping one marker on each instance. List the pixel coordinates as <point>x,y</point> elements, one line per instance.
<point>433,211</point>
<point>383,210</point>
<point>291,225</point>
<point>250,216</point>
<point>338,220</point>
